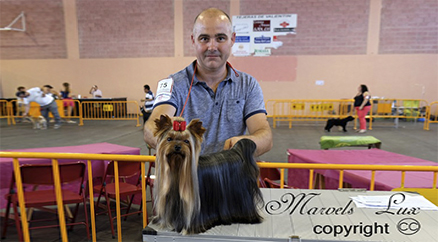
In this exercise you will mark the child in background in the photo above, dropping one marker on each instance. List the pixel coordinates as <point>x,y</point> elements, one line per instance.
<point>22,103</point>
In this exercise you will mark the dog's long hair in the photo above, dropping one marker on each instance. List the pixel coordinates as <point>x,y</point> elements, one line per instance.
<point>194,193</point>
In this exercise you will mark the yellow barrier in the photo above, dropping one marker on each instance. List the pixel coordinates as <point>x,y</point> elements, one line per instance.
<point>65,112</point>
<point>88,157</point>
<point>409,109</point>
<point>137,158</point>
<point>6,111</point>
<point>429,193</point>
<point>110,110</point>
<point>431,115</point>
<point>310,110</point>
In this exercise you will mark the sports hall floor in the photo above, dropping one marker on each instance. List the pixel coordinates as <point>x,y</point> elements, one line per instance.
<point>408,139</point>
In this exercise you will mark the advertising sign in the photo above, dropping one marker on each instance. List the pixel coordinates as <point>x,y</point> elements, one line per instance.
<point>257,34</point>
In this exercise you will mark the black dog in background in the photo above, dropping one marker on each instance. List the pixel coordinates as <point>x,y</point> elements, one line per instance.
<point>338,122</point>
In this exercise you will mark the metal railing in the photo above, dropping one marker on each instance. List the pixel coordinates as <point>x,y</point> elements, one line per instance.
<point>143,159</point>
<point>87,110</point>
<point>110,110</point>
<point>88,157</point>
<point>310,110</point>
<point>6,111</point>
<point>342,168</point>
<point>408,109</point>
<point>431,115</point>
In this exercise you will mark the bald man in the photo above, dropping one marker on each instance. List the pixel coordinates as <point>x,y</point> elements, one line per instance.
<point>228,102</point>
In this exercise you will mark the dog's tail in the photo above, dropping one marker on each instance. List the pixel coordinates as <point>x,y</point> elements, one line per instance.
<point>247,149</point>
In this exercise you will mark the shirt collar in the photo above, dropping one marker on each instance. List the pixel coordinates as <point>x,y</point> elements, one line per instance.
<point>231,75</point>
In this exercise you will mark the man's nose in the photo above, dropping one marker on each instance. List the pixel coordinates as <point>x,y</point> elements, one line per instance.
<point>212,45</point>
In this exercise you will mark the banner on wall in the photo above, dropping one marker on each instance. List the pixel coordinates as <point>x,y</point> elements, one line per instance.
<point>257,34</point>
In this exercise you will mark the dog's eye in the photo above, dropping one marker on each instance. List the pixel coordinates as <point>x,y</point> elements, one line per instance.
<point>186,141</point>
<point>169,139</point>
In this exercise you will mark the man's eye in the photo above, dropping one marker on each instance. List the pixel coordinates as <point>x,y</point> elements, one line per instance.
<point>203,39</point>
<point>169,139</point>
<point>221,39</point>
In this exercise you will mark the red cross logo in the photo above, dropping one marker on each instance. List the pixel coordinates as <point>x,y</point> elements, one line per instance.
<point>284,24</point>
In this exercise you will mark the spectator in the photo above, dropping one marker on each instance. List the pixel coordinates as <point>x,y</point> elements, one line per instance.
<point>148,103</point>
<point>67,101</point>
<point>95,92</point>
<point>22,102</point>
<point>362,106</point>
<point>228,102</point>
<point>43,96</point>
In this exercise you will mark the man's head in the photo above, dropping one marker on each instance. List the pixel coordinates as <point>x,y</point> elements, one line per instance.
<point>212,38</point>
<point>146,88</point>
<point>21,89</point>
<point>47,89</point>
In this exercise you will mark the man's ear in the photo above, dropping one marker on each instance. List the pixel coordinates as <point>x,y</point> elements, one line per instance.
<point>162,124</point>
<point>195,127</point>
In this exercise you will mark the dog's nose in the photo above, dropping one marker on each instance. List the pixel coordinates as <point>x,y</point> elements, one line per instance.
<point>177,147</point>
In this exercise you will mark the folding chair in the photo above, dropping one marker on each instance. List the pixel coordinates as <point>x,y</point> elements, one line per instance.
<point>41,175</point>
<point>127,170</point>
<point>271,184</point>
<point>273,174</point>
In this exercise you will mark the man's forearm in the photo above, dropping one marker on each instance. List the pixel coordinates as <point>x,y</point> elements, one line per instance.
<point>263,139</point>
<point>149,137</point>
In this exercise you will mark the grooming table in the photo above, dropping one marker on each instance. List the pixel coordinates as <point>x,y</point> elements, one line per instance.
<point>6,167</point>
<point>292,215</point>
<point>328,142</point>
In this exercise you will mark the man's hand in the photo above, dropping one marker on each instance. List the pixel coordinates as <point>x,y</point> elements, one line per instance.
<point>229,143</point>
<point>258,131</point>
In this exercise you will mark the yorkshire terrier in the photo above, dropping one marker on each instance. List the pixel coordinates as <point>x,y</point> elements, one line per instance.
<point>194,193</point>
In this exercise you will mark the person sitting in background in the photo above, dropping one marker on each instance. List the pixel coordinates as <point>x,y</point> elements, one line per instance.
<point>95,92</point>
<point>67,101</point>
<point>148,103</point>
<point>22,102</point>
<point>43,96</point>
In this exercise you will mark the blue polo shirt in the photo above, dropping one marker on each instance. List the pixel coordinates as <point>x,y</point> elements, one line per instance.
<point>223,113</point>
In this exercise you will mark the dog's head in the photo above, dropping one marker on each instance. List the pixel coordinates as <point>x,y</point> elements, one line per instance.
<point>349,118</point>
<point>175,139</point>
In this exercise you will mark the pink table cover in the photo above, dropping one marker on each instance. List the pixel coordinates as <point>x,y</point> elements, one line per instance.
<point>6,168</point>
<point>384,180</point>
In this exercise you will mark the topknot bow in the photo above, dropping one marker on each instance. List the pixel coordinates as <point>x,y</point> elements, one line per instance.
<point>179,125</point>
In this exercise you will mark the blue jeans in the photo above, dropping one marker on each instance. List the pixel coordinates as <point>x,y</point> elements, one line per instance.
<point>53,108</point>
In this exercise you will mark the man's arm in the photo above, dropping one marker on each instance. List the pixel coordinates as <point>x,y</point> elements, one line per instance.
<point>149,127</point>
<point>259,132</point>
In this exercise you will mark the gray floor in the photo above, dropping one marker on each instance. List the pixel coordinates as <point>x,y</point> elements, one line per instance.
<point>408,139</point>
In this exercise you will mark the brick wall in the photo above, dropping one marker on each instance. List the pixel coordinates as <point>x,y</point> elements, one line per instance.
<point>324,27</point>
<point>45,34</point>
<point>125,28</point>
<point>191,8</point>
<point>409,27</point>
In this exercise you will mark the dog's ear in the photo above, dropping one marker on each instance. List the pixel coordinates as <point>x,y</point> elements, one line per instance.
<point>162,124</point>
<point>195,127</point>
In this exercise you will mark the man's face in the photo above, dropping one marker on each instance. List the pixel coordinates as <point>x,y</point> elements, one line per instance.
<point>212,39</point>
<point>146,90</point>
<point>46,90</point>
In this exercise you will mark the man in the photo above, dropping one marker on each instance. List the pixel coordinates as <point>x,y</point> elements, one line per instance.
<point>95,92</point>
<point>228,102</point>
<point>43,96</point>
<point>148,103</point>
